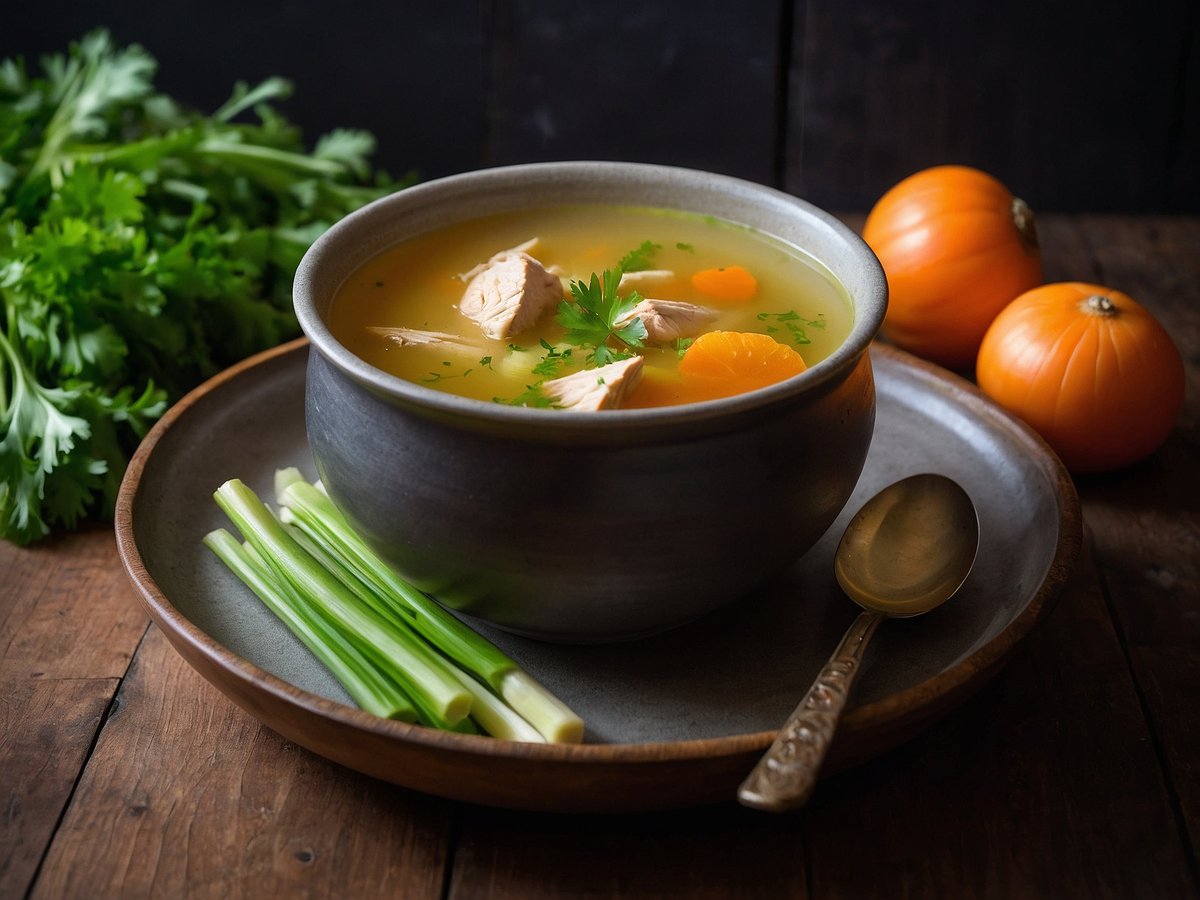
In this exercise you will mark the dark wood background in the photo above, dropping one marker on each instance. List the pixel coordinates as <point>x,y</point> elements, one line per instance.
<point>1077,107</point>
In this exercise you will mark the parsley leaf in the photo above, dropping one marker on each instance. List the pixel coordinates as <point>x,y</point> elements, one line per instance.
<point>143,247</point>
<point>640,258</point>
<point>599,314</point>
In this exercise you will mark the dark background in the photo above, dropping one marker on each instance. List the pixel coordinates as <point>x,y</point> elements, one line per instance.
<point>1076,106</point>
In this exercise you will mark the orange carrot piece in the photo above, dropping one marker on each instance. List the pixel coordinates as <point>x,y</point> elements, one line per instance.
<point>731,284</point>
<point>719,364</point>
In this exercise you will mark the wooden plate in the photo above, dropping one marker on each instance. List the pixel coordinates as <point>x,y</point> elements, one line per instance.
<point>675,720</point>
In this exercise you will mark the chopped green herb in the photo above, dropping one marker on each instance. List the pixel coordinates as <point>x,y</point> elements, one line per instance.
<point>639,258</point>
<point>794,323</point>
<point>682,344</point>
<point>532,397</point>
<point>554,360</point>
<point>485,362</point>
<point>686,248</point>
<point>434,377</point>
<point>516,348</point>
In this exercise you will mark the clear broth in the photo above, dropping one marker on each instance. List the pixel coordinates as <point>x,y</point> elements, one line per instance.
<point>415,284</point>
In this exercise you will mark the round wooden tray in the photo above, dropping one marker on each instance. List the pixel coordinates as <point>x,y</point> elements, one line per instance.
<point>674,720</point>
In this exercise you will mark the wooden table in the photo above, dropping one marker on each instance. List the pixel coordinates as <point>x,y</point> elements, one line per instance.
<point>1076,773</point>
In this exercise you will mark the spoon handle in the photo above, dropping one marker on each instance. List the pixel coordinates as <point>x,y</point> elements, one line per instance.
<point>787,773</point>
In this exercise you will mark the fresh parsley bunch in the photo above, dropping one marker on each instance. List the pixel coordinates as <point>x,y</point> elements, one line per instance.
<point>143,247</point>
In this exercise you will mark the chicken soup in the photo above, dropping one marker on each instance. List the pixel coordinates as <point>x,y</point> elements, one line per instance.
<point>591,308</point>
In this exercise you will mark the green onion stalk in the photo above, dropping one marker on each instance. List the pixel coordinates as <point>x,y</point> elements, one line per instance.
<point>397,651</point>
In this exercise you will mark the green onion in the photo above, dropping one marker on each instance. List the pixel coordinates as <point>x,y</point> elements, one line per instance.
<point>321,521</point>
<point>362,681</point>
<point>394,648</point>
<point>438,696</point>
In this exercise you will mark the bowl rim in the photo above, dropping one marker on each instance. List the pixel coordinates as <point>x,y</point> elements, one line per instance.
<point>331,246</point>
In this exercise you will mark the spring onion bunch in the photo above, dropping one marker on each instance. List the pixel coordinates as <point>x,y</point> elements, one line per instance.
<point>396,651</point>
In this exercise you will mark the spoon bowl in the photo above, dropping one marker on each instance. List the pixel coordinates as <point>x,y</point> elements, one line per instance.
<point>906,551</point>
<point>910,548</point>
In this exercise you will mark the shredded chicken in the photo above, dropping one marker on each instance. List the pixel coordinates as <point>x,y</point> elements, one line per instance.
<point>645,280</point>
<point>596,389</point>
<point>412,337</point>
<point>669,320</point>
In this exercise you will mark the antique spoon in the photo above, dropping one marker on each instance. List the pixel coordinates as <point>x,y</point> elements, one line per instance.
<point>907,551</point>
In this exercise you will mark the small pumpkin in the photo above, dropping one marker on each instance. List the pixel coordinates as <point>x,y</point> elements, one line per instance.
<point>956,246</point>
<point>1089,368</point>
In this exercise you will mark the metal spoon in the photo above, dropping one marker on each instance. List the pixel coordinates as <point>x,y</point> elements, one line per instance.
<point>907,551</point>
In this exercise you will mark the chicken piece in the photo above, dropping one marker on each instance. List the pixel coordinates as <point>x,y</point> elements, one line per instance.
<point>525,247</point>
<point>510,295</point>
<point>647,279</point>
<point>670,320</point>
<point>595,389</point>
<point>412,337</point>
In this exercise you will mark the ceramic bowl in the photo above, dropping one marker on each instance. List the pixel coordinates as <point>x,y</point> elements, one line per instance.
<point>579,526</point>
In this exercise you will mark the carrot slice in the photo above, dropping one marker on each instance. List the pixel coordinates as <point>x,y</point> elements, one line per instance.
<point>719,364</point>
<point>731,284</point>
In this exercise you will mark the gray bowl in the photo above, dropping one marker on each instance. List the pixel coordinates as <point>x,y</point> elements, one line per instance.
<point>576,526</point>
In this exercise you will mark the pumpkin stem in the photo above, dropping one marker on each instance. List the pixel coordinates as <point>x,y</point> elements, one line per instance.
<point>1099,305</point>
<point>1022,217</point>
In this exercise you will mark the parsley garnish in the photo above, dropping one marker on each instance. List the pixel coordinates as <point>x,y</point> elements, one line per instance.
<point>592,319</point>
<point>640,258</point>
<point>686,248</point>
<point>554,361</point>
<point>682,344</point>
<point>532,397</point>
<point>793,323</point>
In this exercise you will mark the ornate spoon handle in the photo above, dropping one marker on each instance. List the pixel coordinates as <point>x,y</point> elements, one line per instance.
<point>787,772</point>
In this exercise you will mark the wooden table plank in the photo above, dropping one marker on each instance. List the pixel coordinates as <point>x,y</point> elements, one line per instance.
<point>1041,786</point>
<point>185,794</point>
<point>715,852</point>
<point>68,628</point>
<point>1146,519</point>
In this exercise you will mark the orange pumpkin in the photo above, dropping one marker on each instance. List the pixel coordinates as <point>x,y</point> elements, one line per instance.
<point>1091,370</point>
<point>957,247</point>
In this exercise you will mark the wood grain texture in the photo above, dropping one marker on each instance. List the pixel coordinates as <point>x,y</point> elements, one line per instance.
<point>186,795</point>
<point>718,852</point>
<point>627,80</point>
<point>68,628</point>
<point>1064,108</point>
<point>1146,519</point>
<point>1054,751</point>
<point>833,99</point>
